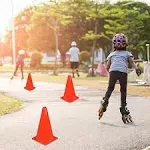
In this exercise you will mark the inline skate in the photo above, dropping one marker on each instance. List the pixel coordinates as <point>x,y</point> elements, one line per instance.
<point>103,107</point>
<point>126,117</point>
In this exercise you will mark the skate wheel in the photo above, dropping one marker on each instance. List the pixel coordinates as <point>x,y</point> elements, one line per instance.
<point>100,112</point>
<point>123,119</point>
<point>130,118</point>
<point>100,115</point>
<point>127,121</point>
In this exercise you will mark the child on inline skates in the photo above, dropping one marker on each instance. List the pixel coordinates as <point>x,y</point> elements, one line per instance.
<point>117,65</point>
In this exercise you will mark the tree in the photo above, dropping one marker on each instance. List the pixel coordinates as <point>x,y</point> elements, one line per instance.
<point>54,24</point>
<point>131,19</point>
<point>96,14</point>
<point>48,17</point>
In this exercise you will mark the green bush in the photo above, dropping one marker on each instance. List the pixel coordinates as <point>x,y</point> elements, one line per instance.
<point>141,66</point>
<point>85,56</point>
<point>36,59</point>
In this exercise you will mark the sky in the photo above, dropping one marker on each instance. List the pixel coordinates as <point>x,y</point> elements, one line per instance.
<point>6,11</point>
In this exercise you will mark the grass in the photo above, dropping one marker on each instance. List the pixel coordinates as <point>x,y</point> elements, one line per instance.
<point>8,104</point>
<point>6,68</point>
<point>10,68</point>
<point>91,82</point>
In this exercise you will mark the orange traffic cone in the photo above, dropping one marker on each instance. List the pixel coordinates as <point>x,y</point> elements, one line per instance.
<point>69,94</point>
<point>44,133</point>
<point>29,84</point>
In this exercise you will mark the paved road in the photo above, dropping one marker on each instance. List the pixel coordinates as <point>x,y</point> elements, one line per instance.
<point>76,125</point>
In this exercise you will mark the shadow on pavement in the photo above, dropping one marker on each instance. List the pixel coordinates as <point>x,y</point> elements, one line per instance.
<point>114,125</point>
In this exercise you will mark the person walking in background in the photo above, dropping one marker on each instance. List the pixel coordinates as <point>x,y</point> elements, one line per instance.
<point>117,65</point>
<point>19,63</point>
<point>74,58</point>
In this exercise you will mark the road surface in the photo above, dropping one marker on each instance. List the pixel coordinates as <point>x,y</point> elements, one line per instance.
<point>76,125</point>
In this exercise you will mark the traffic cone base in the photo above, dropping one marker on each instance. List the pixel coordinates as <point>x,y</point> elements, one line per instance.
<point>46,141</point>
<point>44,134</point>
<point>69,99</point>
<point>29,89</point>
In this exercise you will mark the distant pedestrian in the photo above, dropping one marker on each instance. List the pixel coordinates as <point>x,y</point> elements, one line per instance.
<point>74,58</point>
<point>19,63</point>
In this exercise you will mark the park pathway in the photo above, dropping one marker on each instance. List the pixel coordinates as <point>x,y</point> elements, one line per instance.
<point>76,125</point>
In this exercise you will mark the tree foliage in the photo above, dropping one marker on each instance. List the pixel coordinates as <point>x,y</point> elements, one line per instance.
<point>38,25</point>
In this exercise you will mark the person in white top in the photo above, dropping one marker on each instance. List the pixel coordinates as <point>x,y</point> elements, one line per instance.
<point>74,58</point>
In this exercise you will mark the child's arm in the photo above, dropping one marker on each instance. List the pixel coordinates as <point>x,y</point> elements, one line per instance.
<point>79,55</point>
<point>68,54</point>
<point>131,61</point>
<point>108,63</point>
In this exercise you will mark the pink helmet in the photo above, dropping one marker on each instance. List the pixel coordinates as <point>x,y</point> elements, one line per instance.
<point>120,41</point>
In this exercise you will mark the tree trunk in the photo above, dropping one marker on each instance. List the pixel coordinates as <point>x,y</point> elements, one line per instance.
<point>56,42</point>
<point>94,46</point>
<point>94,42</point>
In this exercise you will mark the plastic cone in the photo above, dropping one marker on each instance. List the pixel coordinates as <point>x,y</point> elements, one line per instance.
<point>44,133</point>
<point>69,94</point>
<point>29,84</point>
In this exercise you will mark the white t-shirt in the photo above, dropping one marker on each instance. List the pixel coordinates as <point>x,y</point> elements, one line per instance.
<point>74,54</point>
<point>119,61</point>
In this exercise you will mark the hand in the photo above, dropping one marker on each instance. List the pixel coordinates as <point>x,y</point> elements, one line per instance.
<point>138,72</point>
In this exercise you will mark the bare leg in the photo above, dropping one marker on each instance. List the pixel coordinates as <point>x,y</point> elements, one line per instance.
<point>21,68</point>
<point>77,73</point>
<point>16,68</point>
<point>73,73</point>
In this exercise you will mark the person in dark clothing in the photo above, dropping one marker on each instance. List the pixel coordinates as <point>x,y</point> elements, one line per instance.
<point>117,65</point>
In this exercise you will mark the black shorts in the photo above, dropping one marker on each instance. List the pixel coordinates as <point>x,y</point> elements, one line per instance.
<point>74,65</point>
